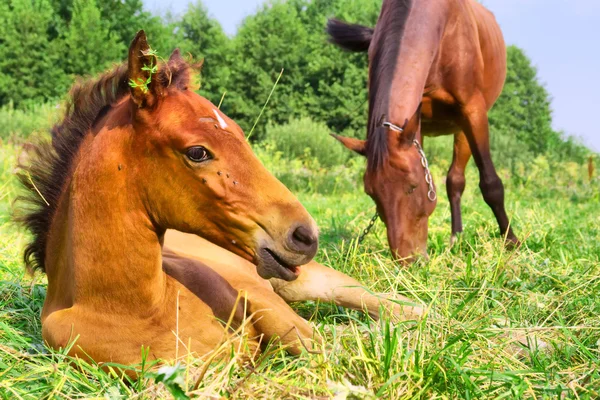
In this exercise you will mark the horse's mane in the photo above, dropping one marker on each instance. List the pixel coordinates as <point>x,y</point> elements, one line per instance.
<point>381,74</point>
<point>49,162</point>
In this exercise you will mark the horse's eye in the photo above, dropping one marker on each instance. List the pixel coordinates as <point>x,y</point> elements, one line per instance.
<point>198,154</point>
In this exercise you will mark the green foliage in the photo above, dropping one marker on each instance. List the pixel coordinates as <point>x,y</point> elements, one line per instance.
<point>203,38</point>
<point>19,123</point>
<point>28,59</point>
<point>523,111</point>
<point>89,46</point>
<point>319,80</point>
<point>125,18</point>
<point>173,379</point>
<point>304,139</point>
<point>151,68</point>
<point>46,43</point>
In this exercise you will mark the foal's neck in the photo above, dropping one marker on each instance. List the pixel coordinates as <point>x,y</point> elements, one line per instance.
<point>109,244</point>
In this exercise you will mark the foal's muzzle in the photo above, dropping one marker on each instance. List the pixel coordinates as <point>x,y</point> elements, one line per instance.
<point>281,260</point>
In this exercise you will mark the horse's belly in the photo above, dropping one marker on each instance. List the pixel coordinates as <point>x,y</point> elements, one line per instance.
<point>439,114</point>
<point>431,127</point>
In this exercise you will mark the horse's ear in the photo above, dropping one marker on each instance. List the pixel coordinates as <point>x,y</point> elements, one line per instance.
<point>357,145</point>
<point>412,127</point>
<point>143,68</point>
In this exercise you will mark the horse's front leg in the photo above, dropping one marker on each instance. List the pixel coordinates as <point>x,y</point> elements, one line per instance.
<point>318,282</point>
<point>455,181</point>
<point>475,124</point>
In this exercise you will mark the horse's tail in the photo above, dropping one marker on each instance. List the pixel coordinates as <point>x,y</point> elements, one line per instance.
<point>350,37</point>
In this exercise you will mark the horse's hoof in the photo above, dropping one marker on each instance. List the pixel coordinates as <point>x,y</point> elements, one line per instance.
<point>455,238</point>
<point>512,243</point>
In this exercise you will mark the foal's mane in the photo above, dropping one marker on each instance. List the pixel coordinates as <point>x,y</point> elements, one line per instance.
<point>49,163</point>
<point>381,74</point>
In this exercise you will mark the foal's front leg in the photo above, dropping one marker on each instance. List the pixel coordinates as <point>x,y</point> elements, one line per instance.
<point>318,282</point>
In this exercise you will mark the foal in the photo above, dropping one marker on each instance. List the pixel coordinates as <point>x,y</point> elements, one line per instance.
<point>140,159</point>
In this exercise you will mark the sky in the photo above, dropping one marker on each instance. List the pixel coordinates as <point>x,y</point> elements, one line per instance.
<point>561,37</point>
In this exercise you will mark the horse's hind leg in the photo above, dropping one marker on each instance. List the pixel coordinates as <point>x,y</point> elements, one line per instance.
<point>476,129</point>
<point>455,181</point>
<point>318,282</point>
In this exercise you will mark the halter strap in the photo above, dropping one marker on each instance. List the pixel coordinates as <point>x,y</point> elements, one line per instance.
<point>391,126</point>
<point>431,194</point>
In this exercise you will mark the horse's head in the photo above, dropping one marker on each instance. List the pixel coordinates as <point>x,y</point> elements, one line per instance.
<point>400,184</point>
<point>197,173</point>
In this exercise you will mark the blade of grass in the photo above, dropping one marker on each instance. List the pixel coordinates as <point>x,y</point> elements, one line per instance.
<point>265,105</point>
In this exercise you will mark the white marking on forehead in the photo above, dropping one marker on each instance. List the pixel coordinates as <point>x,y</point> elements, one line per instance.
<point>220,119</point>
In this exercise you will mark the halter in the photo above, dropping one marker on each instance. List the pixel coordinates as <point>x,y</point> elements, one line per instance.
<point>431,194</point>
<point>391,126</point>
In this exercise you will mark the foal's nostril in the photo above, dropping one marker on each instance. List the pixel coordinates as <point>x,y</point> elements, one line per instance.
<point>304,239</point>
<point>301,234</point>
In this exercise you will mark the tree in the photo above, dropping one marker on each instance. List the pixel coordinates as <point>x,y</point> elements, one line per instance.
<point>523,110</point>
<point>28,61</point>
<point>89,46</point>
<point>203,38</point>
<point>45,43</point>
<point>125,18</point>
<point>319,81</point>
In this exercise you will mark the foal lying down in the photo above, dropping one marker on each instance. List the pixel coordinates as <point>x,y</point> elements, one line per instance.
<point>138,159</point>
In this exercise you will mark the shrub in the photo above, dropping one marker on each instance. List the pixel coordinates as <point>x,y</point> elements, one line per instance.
<point>307,175</point>
<point>304,139</point>
<point>20,123</point>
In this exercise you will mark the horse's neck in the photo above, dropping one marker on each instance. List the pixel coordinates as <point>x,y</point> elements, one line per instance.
<point>419,47</point>
<point>107,252</point>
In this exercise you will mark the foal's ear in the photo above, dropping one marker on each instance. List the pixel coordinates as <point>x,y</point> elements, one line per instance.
<point>144,85</point>
<point>175,57</point>
<point>181,73</point>
<point>357,145</point>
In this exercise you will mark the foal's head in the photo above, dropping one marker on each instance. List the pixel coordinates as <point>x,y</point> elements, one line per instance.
<point>197,173</point>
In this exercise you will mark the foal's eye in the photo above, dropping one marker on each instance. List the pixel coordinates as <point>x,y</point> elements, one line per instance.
<point>411,189</point>
<point>198,154</point>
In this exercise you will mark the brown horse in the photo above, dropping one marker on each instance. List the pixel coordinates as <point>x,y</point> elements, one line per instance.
<point>139,153</point>
<point>435,67</point>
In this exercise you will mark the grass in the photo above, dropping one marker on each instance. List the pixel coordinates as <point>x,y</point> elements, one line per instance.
<point>481,296</point>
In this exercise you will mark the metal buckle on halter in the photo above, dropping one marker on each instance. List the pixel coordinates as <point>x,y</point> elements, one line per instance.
<point>391,126</point>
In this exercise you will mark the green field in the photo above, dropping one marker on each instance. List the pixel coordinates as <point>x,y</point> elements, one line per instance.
<point>481,296</point>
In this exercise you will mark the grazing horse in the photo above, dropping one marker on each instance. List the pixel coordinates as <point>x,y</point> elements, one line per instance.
<point>141,160</point>
<point>435,68</point>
